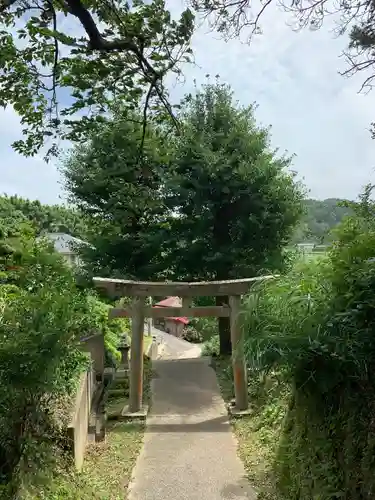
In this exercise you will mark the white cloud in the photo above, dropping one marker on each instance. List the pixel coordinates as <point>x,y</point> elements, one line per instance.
<point>314,112</point>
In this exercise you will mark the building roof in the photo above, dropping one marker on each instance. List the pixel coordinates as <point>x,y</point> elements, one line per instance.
<point>173,302</point>
<point>63,242</point>
<point>170,302</point>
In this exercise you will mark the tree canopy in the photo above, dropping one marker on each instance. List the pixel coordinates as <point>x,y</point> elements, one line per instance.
<point>64,63</point>
<point>235,201</point>
<point>214,202</point>
<point>211,203</point>
<point>122,195</point>
<point>16,211</point>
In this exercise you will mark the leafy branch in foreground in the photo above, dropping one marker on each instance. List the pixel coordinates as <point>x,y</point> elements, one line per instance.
<point>63,62</point>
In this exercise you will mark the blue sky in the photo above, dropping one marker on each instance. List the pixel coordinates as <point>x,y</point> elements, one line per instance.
<point>314,112</point>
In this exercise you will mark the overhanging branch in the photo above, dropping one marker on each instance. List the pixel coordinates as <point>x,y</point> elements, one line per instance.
<point>5,4</point>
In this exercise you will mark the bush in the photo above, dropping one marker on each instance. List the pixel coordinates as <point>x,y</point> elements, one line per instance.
<point>207,327</point>
<point>96,318</point>
<point>211,347</point>
<point>40,327</point>
<point>191,334</point>
<point>43,316</point>
<point>315,329</point>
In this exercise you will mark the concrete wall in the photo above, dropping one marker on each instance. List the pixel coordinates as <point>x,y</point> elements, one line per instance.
<point>78,427</point>
<point>174,328</point>
<point>167,325</point>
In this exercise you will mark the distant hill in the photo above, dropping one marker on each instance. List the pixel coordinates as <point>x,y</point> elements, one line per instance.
<point>320,217</point>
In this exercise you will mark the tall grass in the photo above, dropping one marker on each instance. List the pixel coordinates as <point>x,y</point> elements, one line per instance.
<point>277,315</point>
<point>314,329</point>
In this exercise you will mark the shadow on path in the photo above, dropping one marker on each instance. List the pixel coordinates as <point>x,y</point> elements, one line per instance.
<point>189,451</point>
<point>218,424</point>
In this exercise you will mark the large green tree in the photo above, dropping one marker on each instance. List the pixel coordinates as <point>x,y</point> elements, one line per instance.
<point>235,202</point>
<point>63,62</point>
<point>121,192</point>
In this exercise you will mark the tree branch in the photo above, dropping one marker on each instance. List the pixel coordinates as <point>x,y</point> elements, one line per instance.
<point>96,41</point>
<point>144,124</point>
<point>5,4</point>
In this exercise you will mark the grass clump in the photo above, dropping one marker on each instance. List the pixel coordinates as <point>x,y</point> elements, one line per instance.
<point>106,473</point>
<point>108,465</point>
<point>258,434</point>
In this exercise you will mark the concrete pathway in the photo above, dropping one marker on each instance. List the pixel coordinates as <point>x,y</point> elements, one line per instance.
<point>174,348</point>
<point>189,451</point>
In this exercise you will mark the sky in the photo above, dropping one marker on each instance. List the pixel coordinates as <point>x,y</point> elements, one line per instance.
<point>315,113</point>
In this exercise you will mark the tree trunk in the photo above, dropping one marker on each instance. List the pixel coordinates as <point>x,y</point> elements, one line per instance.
<point>224,329</point>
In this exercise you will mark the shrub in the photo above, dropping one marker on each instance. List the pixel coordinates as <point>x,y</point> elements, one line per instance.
<point>191,334</point>
<point>207,327</point>
<point>96,320</point>
<point>43,316</point>
<point>211,347</point>
<point>40,327</point>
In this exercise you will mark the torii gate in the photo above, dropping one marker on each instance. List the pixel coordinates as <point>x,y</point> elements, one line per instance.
<point>138,311</point>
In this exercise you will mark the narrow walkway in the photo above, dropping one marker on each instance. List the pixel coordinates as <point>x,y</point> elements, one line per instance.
<point>174,347</point>
<point>189,451</point>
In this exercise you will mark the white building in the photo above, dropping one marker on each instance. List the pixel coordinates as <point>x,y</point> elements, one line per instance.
<point>66,245</point>
<point>305,247</point>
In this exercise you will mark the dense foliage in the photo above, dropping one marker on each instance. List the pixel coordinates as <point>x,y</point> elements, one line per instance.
<point>235,203</point>
<point>314,329</point>
<point>121,52</point>
<point>43,316</point>
<point>121,193</point>
<point>94,53</point>
<point>212,203</point>
<point>16,211</point>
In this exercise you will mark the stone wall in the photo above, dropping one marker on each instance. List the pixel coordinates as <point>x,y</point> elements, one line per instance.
<point>78,427</point>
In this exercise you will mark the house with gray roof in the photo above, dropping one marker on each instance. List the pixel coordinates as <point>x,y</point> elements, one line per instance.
<point>67,246</point>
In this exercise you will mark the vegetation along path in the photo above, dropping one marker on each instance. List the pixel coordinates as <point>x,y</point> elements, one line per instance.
<point>189,451</point>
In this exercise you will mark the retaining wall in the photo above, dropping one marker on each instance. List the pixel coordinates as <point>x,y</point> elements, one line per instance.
<point>78,427</point>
